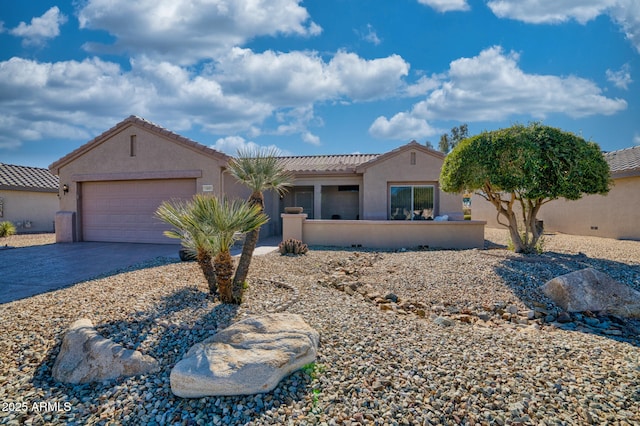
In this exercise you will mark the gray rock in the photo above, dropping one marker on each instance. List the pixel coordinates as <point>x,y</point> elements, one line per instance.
<point>249,357</point>
<point>591,290</point>
<point>86,357</point>
<point>392,297</point>
<point>443,321</point>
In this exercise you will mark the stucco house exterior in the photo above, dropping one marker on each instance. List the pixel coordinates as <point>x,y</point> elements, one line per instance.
<point>28,198</point>
<point>615,215</point>
<point>116,181</point>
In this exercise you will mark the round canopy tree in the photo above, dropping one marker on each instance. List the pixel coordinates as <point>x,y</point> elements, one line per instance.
<point>525,166</point>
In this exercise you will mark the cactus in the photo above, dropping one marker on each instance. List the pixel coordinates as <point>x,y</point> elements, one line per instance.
<point>293,246</point>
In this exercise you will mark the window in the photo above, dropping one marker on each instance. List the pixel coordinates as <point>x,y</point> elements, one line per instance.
<point>411,202</point>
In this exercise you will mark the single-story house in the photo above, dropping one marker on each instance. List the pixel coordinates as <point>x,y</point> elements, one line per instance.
<point>615,215</point>
<point>28,198</point>
<point>116,181</point>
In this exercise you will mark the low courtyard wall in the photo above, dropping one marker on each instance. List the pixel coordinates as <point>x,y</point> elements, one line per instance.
<point>384,234</point>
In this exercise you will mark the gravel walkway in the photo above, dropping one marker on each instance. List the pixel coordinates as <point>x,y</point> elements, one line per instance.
<point>424,337</point>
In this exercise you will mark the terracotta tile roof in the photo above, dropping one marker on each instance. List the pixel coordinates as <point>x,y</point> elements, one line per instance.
<point>24,178</point>
<point>325,163</point>
<point>625,161</point>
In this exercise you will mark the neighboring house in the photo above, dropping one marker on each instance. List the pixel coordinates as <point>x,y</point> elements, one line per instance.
<point>28,198</point>
<point>615,215</point>
<point>117,180</point>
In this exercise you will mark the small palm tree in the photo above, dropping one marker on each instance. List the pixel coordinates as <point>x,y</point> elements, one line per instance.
<point>229,219</point>
<point>259,170</point>
<point>195,236</point>
<point>209,227</point>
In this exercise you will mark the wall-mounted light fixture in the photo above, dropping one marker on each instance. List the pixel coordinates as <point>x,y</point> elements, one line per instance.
<point>65,188</point>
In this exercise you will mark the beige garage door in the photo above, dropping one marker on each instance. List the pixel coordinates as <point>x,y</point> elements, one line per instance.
<point>123,211</point>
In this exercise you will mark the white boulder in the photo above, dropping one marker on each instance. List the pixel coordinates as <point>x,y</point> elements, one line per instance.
<point>591,290</point>
<point>249,357</point>
<point>85,356</point>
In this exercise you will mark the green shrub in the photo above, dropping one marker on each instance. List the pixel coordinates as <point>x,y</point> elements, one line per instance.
<point>6,229</point>
<point>293,246</point>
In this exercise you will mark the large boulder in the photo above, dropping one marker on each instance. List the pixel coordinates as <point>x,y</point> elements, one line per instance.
<point>591,290</point>
<point>249,357</point>
<point>85,356</point>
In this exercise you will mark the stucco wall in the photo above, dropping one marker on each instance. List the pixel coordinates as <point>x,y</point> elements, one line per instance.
<point>29,211</point>
<point>616,215</point>
<point>393,234</point>
<point>156,157</point>
<point>398,169</point>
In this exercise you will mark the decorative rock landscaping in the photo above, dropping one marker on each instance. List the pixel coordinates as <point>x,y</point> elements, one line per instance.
<point>248,357</point>
<point>86,357</point>
<point>501,352</point>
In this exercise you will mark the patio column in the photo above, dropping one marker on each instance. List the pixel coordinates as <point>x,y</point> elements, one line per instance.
<point>292,226</point>
<point>317,201</point>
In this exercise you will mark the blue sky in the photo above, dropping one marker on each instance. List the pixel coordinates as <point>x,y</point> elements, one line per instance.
<point>314,77</point>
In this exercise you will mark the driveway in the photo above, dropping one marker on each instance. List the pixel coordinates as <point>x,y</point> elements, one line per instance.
<point>27,271</point>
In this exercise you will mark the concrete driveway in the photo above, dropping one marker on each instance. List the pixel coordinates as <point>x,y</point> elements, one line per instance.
<point>27,271</point>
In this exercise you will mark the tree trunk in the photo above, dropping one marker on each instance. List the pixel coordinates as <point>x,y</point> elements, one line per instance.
<point>204,261</point>
<point>223,264</point>
<point>250,242</point>
<point>516,239</point>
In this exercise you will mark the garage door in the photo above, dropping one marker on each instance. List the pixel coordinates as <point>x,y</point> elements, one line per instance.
<point>123,211</point>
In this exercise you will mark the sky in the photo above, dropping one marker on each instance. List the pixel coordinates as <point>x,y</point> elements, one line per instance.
<point>314,77</point>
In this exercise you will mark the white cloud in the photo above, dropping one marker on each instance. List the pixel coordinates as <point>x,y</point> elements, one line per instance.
<point>299,78</point>
<point>625,13</point>
<point>402,126</point>
<point>370,35</point>
<point>446,5</point>
<point>620,78</point>
<point>549,11</point>
<point>232,144</point>
<point>491,86</point>
<point>310,138</point>
<point>423,86</point>
<point>93,94</point>
<point>237,95</point>
<point>636,138</point>
<point>186,31</point>
<point>41,28</point>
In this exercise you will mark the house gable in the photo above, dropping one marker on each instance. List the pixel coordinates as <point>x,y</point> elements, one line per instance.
<point>122,133</point>
<point>412,154</point>
<point>410,164</point>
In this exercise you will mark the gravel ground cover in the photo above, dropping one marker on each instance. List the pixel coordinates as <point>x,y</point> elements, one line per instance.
<point>24,240</point>
<point>408,338</point>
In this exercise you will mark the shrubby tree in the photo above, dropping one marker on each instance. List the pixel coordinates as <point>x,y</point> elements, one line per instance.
<point>526,167</point>
<point>208,227</point>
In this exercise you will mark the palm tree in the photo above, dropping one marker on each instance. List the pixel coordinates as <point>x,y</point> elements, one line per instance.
<point>209,227</point>
<point>259,170</point>
<point>195,236</point>
<point>229,219</point>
